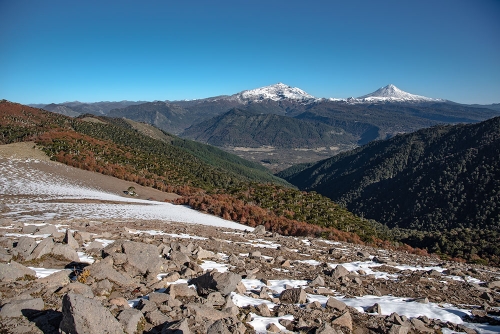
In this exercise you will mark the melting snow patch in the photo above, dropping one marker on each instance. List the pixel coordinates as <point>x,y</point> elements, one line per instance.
<point>261,243</point>
<point>209,265</point>
<point>309,262</point>
<point>260,323</point>
<point>105,242</point>
<point>19,235</point>
<point>242,301</point>
<point>43,272</point>
<point>366,267</point>
<point>85,258</point>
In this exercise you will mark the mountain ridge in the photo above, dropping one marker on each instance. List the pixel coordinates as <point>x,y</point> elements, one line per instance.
<point>435,180</point>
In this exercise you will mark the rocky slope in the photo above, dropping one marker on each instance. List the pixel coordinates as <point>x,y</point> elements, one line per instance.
<point>152,276</point>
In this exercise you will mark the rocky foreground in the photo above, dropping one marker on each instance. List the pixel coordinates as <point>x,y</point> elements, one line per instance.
<point>80,276</point>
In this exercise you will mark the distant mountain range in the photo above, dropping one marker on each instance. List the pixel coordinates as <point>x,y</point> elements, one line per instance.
<point>315,127</point>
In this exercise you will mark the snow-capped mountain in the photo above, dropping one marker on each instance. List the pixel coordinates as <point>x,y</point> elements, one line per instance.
<point>391,93</point>
<point>277,92</point>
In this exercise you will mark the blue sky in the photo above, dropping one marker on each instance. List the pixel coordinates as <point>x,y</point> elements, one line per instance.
<point>56,51</point>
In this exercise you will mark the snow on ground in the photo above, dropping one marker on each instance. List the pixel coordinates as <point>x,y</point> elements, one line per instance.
<point>260,323</point>
<point>173,235</point>
<point>41,196</point>
<point>210,265</point>
<point>367,266</point>
<point>44,272</point>
<point>261,243</point>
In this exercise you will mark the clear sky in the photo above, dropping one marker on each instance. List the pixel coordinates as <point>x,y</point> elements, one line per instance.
<point>56,51</point>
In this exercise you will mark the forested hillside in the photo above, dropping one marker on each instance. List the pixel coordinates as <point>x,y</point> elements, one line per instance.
<point>444,180</point>
<point>206,180</point>
<point>246,128</point>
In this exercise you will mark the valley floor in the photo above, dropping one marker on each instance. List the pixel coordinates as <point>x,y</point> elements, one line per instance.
<point>343,287</point>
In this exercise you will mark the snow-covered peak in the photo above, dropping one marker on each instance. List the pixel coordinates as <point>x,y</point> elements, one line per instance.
<point>277,92</point>
<point>391,93</point>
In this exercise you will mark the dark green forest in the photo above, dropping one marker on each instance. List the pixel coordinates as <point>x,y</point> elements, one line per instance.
<point>246,128</point>
<point>443,181</point>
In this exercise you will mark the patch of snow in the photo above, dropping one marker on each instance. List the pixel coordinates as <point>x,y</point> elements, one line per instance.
<point>209,265</point>
<point>261,243</point>
<point>105,242</point>
<point>85,258</point>
<point>41,196</point>
<point>309,262</point>
<point>367,267</point>
<point>44,272</point>
<point>260,323</point>
<point>242,301</point>
<point>19,235</point>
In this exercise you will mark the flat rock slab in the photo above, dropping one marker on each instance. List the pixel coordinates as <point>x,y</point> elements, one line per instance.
<point>14,271</point>
<point>85,315</point>
<point>18,308</point>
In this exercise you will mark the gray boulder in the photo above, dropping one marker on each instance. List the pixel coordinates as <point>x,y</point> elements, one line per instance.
<point>345,320</point>
<point>157,317</point>
<point>142,257</point>
<point>206,312</point>
<point>203,254</point>
<point>66,252</point>
<point>398,329</point>
<point>293,296</point>
<point>132,321</point>
<point>226,326</point>
<point>29,229</point>
<point>85,315</point>
<point>212,281</point>
<point>325,328</point>
<point>24,247</point>
<point>259,230</point>
<point>339,272</point>
<point>179,257</point>
<point>335,304</point>
<point>95,247</point>
<point>48,229</point>
<point>56,280</point>
<point>104,270</point>
<point>180,327</point>
<point>419,325</point>
<point>82,236</point>
<point>17,308</point>
<point>13,271</point>
<point>78,288</point>
<point>318,281</point>
<point>375,308</point>
<point>181,290</point>
<point>44,247</point>
<point>69,240</point>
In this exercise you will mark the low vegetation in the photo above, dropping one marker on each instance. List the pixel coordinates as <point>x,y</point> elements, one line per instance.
<point>222,184</point>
